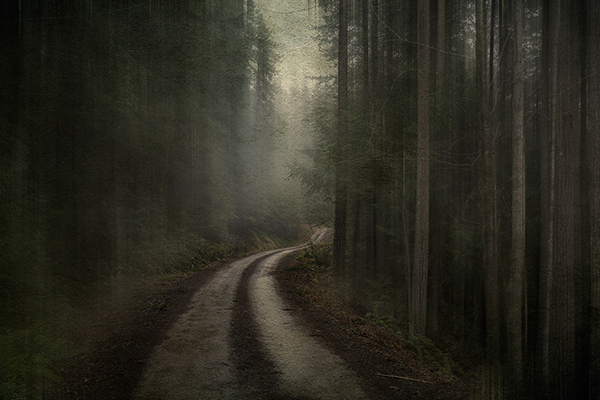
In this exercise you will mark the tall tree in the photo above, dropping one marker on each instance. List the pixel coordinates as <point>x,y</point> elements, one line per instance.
<point>339,238</point>
<point>362,205</point>
<point>440,64</point>
<point>549,110</point>
<point>546,208</point>
<point>517,262</point>
<point>421,263</point>
<point>565,120</point>
<point>375,82</point>
<point>593,157</point>
<point>492,309</point>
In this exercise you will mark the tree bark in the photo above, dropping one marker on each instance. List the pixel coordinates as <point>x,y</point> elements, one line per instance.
<point>489,188</point>
<point>375,80</point>
<point>593,92</point>
<point>339,238</point>
<point>565,130</point>
<point>421,263</point>
<point>517,264</point>
<point>440,64</point>
<point>368,108</point>
<point>546,211</point>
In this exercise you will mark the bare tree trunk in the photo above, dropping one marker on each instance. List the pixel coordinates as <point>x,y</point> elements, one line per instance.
<point>489,188</point>
<point>440,64</point>
<point>565,129</point>
<point>517,265</point>
<point>546,211</point>
<point>593,92</point>
<point>494,6</point>
<point>375,89</point>
<point>421,266</point>
<point>358,253</point>
<point>339,238</point>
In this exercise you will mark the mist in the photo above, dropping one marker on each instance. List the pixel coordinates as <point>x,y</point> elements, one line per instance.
<point>134,137</point>
<point>143,138</point>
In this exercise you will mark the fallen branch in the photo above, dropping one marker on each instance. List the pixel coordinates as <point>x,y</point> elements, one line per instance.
<point>403,377</point>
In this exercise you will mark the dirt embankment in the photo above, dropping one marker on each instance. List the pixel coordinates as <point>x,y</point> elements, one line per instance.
<point>387,366</point>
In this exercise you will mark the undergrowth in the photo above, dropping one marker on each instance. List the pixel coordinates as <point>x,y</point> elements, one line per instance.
<point>35,325</point>
<point>375,298</point>
<point>425,349</point>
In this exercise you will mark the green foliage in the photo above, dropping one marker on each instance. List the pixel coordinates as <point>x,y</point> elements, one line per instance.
<point>30,348</point>
<point>429,352</point>
<point>384,319</point>
<point>27,357</point>
<point>208,253</point>
<point>315,257</point>
<point>121,151</point>
<point>320,254</point>
<point>424,347</point>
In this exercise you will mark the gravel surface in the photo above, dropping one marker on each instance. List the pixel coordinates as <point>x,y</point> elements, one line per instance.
<point>193,362</point>
<point>306,367</point>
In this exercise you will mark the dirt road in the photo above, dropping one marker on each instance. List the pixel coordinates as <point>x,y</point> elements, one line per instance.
<point>238,340</point>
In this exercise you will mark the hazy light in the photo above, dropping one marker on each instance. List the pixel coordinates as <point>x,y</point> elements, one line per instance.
<point>293,26</point>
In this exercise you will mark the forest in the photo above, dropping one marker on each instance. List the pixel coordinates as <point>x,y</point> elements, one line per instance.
<point>464,146</point>
<point>454,149</point>
<point>133,136</point>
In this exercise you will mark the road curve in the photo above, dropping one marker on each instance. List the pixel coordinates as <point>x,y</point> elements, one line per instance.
<point>308,369</point>
<point>197,359</point>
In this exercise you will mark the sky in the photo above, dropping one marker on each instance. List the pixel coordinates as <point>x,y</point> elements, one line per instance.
<point>293,27</point>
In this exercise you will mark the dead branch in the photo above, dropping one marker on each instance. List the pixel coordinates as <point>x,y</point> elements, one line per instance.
<point>403,377</point>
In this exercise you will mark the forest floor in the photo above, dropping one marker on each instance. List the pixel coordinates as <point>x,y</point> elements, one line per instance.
<point>387,365</point>
<point>116,338</point>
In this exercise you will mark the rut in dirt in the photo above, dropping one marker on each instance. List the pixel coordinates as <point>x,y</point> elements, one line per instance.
<point>238,340</point>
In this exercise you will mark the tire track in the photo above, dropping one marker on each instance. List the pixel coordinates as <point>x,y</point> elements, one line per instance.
<point>254,370</point>
<point>307,368</point>
<point>194,361</point>
<point>237,341</point>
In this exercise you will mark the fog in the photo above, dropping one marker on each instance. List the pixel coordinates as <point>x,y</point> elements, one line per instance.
<point>136,136</point>
<point>140,138</point>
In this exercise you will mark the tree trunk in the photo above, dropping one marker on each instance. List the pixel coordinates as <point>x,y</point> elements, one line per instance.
<point>517,265</point>
<point>339,238</point>
<point>375,90</point>
<point>593,157</point>
<point>565,130</point>
<point>440,64</point>
<point>493,28</point>
<point>421,265</point>
<point>546,211</point>
<point>489,188</point>
<point>369,256</point>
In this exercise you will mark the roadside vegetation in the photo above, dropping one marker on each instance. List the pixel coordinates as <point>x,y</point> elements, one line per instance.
<point>60,331</point>
<point>133,138</point>
<point>367,310</point>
